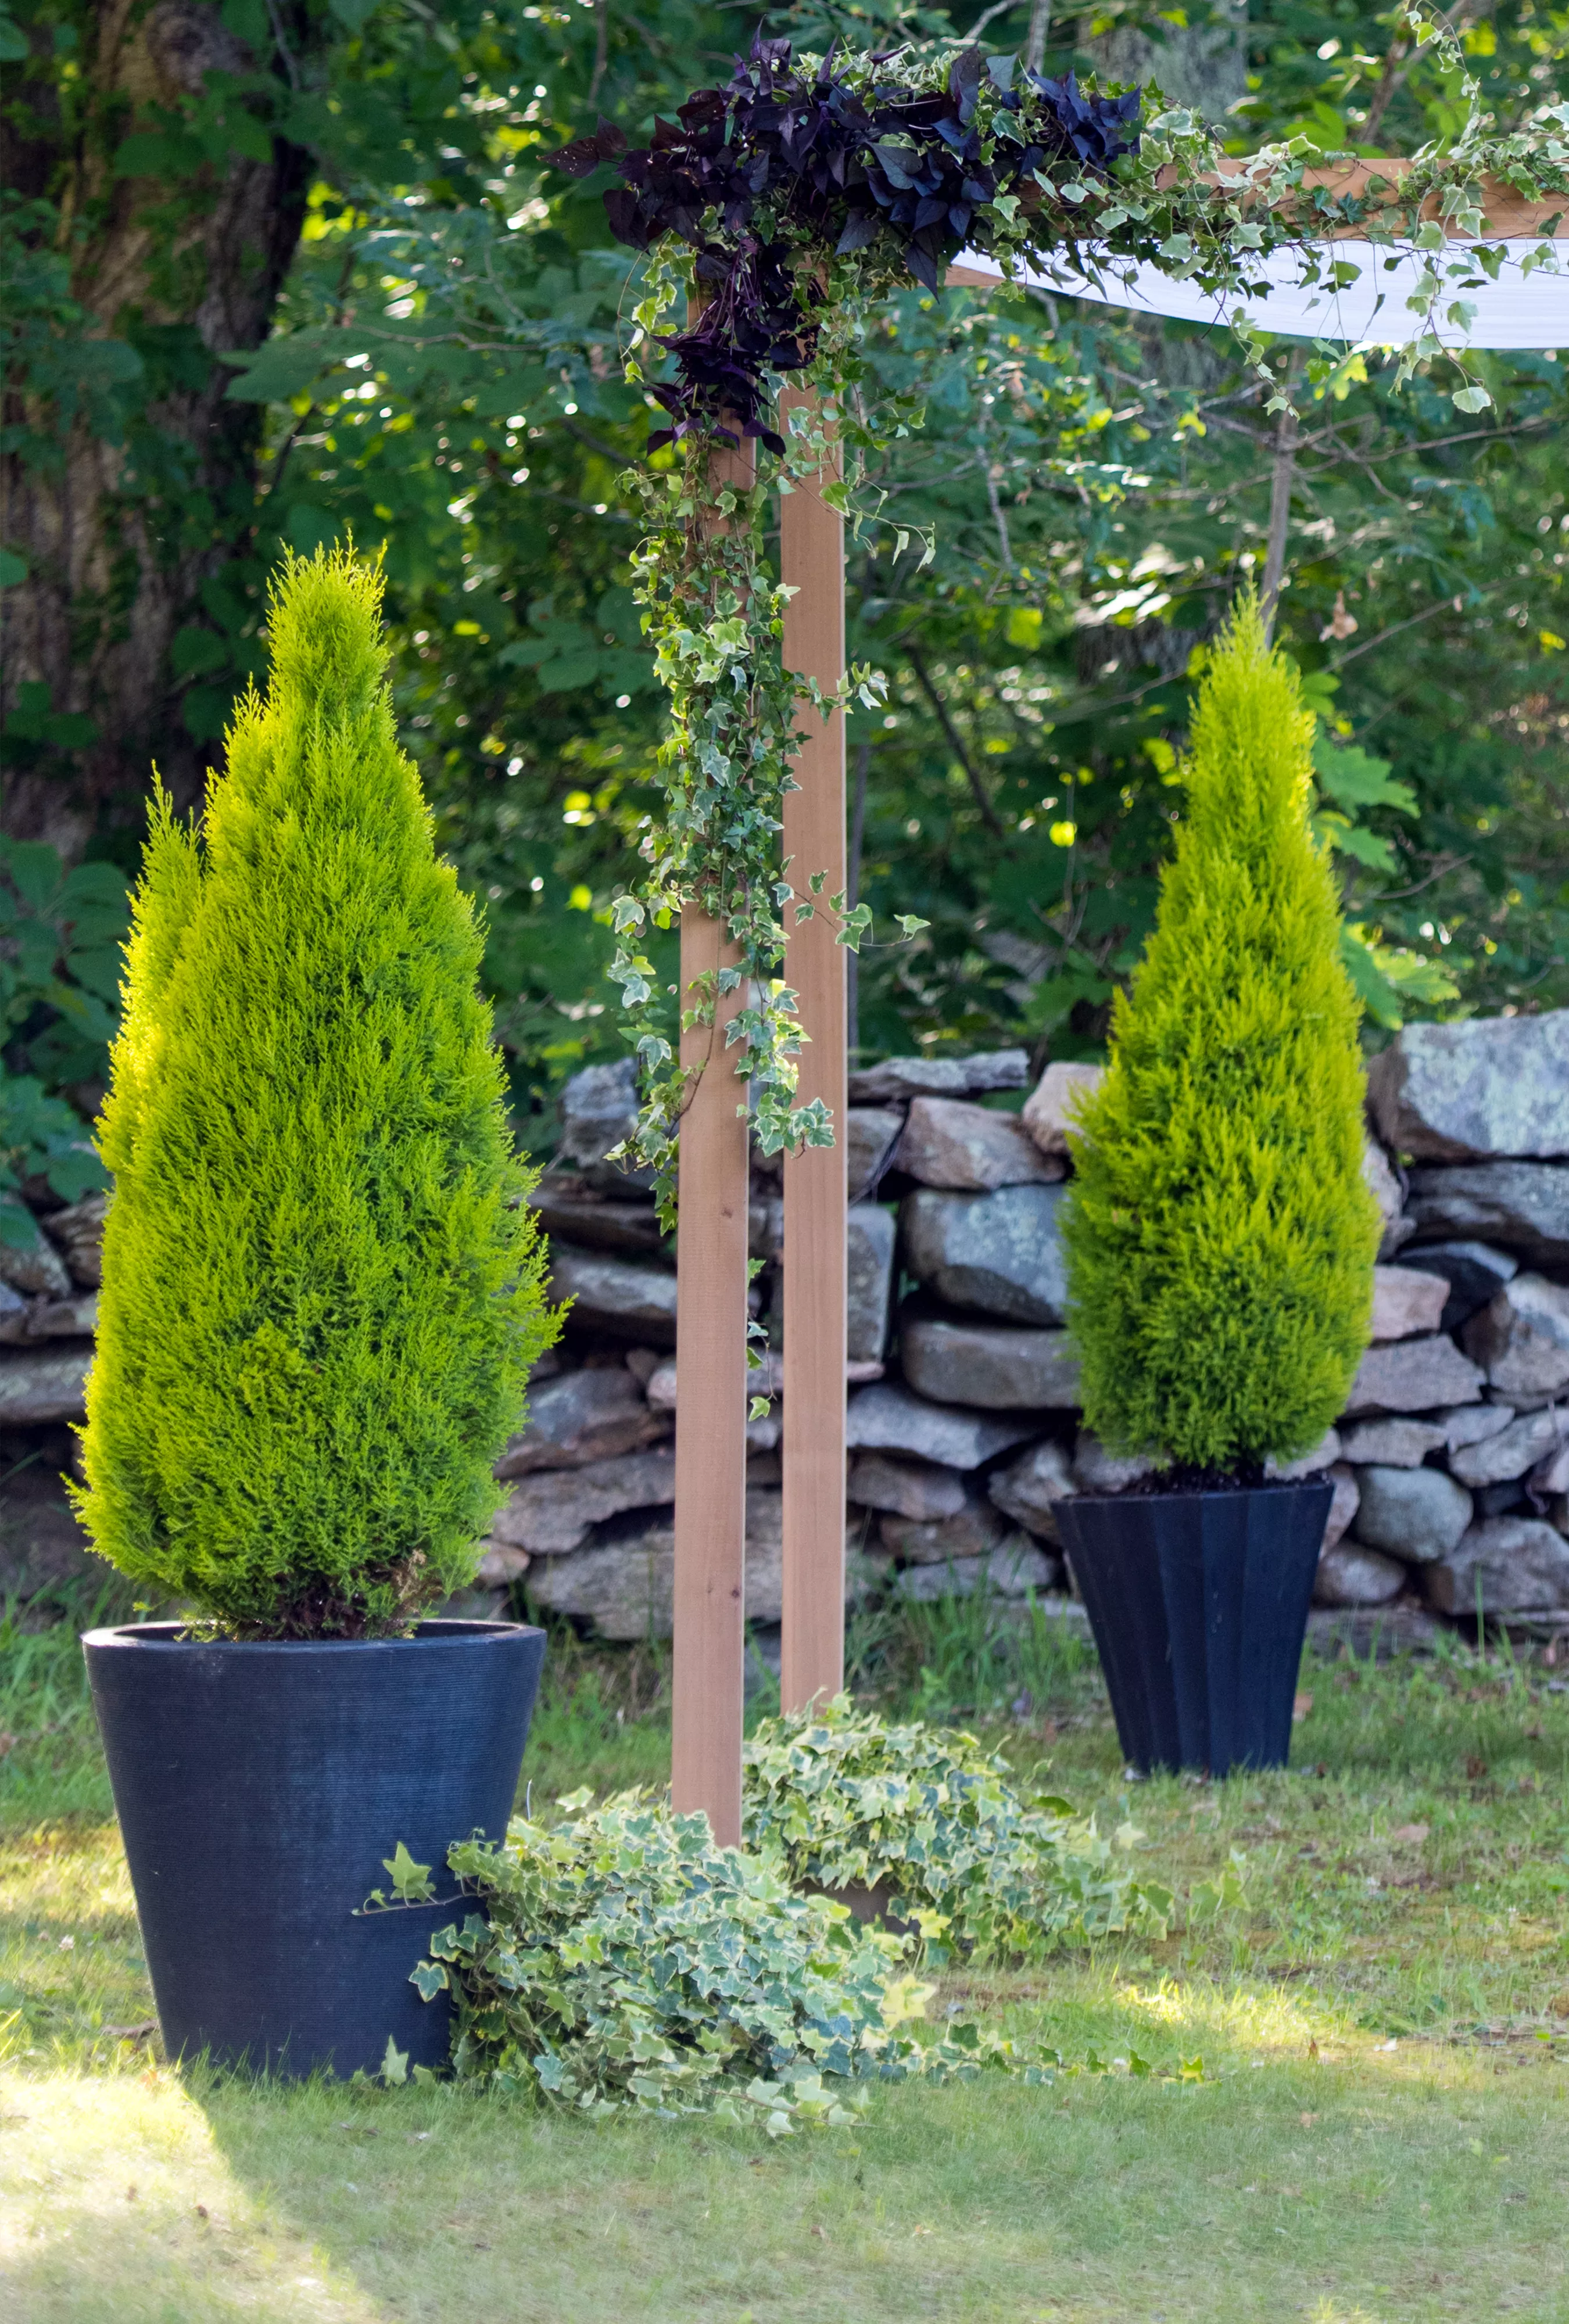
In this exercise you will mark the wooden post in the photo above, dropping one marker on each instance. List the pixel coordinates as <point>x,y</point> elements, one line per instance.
<point>708,1657</point>
<point>711,1252</point>
<point>815,1183</point>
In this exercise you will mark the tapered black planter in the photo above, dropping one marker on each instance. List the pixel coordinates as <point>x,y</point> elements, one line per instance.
<point>259,1788</point>
<point>1199,1606</point>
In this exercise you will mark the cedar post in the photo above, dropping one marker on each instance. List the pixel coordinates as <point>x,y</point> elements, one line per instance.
<point>816,1182</point>
<point>709,1651</point>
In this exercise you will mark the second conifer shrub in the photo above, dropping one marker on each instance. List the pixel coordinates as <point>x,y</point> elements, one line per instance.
<point>322,1295</point>
<point>1220,1236</point>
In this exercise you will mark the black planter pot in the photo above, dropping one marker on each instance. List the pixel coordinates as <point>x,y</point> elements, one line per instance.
<point>1199,1606</point>
<point>259,1788</point>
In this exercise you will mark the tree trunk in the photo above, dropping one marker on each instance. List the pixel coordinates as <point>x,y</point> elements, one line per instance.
<point>1202,66</point>
<point>119,536</point>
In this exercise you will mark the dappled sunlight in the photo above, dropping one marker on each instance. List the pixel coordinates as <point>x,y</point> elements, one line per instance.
<point>115,2201</point>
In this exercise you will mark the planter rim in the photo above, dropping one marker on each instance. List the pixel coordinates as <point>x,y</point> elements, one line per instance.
<point>1226,1494</point>
<point>172,1637</point>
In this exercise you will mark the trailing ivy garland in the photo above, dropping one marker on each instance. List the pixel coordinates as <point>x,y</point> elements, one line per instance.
<point>785,206</point>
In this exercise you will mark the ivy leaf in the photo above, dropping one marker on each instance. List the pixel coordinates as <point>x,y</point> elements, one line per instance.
<point>394,2065</point>
<point>410,1881</point>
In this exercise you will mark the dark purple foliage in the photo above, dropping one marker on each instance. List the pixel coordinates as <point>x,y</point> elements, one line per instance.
<point>776,147</point>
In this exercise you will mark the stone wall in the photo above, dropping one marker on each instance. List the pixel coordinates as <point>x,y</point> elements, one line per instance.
<point>1450,1462</point>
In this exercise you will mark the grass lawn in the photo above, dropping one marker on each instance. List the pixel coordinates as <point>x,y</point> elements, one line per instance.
<point>1381,2130</point>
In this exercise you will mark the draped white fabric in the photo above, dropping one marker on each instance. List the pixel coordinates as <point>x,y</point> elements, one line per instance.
<point>1517,311</point>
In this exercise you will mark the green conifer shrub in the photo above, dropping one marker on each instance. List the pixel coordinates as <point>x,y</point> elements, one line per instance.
<point>322,1291</point>
<point>1220,1236</point>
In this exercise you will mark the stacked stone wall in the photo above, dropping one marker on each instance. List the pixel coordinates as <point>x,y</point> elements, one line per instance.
<point>1450,1463</point>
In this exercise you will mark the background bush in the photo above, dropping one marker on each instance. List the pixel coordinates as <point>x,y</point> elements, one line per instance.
<point>321,1295</point>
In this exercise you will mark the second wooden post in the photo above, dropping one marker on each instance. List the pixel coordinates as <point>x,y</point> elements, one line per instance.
<point>816,1182</point>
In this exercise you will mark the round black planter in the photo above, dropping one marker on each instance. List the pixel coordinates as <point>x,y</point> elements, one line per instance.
<point>259,1788</point>
<point>1199,1606</point>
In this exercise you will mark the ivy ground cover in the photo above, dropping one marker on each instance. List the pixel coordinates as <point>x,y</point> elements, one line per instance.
<point>1378,1992</point>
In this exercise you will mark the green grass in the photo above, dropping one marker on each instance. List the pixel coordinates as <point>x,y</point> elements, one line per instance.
<point>1381,2133</point>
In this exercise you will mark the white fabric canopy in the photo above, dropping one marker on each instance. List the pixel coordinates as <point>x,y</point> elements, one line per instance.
<point>1517,311</point>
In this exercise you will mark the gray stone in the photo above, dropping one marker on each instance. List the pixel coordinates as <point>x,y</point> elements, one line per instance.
<point>764,1378</point>
<point>1342,1509</point>
<point>971,1532</point>
<point>553,1510</point>
<point>582,1416</point>
<point>1413,1376</point>
<point>42,1544</point>
<point>1416,1514</point>
<point>24,1321</point>
<point>67,1319</point>
<point>910,1489</point>
<point>949,1143</point>
<point>1393,1444</point>
<point>45,1385</point>
<point>624,1583</point>
<point>1473,1272</point>
<point>1406,1301</point>
<point>613,1294</point>
<point>1495,1501</point>
<point>1521,1338</point>
<point>872,1236</point>
<point>568,1207</point>
<point>887,1418</point>
<point>1519,1563</point>
<point>870,1134</point>
<point>1380,1178</point>
<point>1028,1490</point>
<point>1051,1108</point>
<point>15,1313</point>
<point>1096,1469</point>
<point>1551,1475</point>
<point>77,1232</point>
<point>899,1078</point>
<point>1473,1423</point>
<point>1486,1087</point>
<point>1013,1570</point>
<point>36,1269</point>
<point>765,1221</point>
<point>996,1069</point>
<point>1349,1575</point>
<point>501,1565</point>
<point>1000,1252</point>
<point>1323,1456</point>
<point>1525,1205</point>
<point>597,1108</point>
<point>1535,1436</point>
<point>1000,1369</point>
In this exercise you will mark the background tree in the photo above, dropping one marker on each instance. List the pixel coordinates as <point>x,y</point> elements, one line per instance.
<point>441,374</point>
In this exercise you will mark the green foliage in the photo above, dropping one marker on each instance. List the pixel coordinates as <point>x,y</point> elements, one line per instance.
<point>322,1293</point>
<point>444,376</point>
<point>60,932</point>
<point>1220,1237</point>
<point>626,1961</point>
<point>42,1142</point>
<point>838,1798</point>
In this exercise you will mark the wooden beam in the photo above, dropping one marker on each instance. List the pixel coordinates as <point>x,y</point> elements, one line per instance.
<point>816,1181</point>
<point>1505,213</point>
<point>709,1657</point>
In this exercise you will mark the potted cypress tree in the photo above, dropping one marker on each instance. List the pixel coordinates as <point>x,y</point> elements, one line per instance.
<point>322,1298</point>
<point>1220,1243</point>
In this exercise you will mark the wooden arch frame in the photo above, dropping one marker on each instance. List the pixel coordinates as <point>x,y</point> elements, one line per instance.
<point>708,1660</point>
